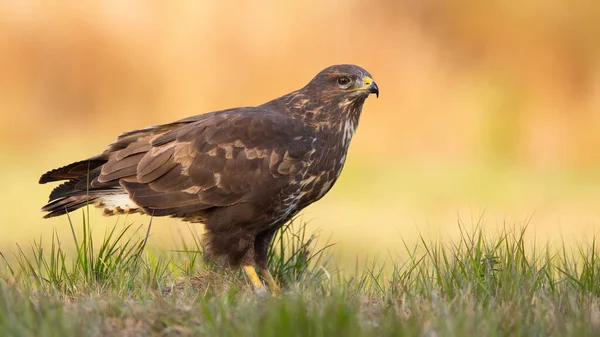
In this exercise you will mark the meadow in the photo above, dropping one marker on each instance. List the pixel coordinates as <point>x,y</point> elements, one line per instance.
<point>480,284</point>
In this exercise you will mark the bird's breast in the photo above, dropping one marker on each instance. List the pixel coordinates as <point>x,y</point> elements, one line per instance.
<point>322,167</point>
<point>318,177</point>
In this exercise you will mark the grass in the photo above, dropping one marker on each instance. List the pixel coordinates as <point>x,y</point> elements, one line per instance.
<point>485,285</point>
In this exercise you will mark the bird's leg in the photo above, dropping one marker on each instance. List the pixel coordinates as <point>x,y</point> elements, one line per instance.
<point>248,262</point>
<point>261,248</point>
<point>254,279</point>
<point>266,275</point>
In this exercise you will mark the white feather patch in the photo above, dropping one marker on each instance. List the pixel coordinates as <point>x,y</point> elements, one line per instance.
<point>117,204</point>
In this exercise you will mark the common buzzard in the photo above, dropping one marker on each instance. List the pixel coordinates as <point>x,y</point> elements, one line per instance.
<point>243,172</point>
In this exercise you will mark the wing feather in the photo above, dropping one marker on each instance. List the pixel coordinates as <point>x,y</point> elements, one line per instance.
<point>154,165</point>
<point>116,169</point>
<point>171,181</point>
<point>133,149</point>
<point>220,160</point>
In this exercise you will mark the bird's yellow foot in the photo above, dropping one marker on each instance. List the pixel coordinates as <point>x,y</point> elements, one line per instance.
<point>258,286</point>
<point>264,272</point>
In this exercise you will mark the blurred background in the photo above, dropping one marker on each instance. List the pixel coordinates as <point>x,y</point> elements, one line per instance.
<point>489,110</point>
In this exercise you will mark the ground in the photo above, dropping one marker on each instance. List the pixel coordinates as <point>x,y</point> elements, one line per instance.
<point>483,284</point>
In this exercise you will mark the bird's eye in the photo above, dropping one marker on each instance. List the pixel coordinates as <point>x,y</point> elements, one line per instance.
<point>343,80</point>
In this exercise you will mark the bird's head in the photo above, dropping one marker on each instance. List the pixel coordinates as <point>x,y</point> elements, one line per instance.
<point>344,82</point>
<point>335,95</point>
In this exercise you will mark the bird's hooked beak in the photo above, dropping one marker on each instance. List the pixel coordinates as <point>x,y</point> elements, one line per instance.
<point>370,86</point>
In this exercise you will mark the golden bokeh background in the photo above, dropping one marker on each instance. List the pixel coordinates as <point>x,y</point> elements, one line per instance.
<point>488,109</point>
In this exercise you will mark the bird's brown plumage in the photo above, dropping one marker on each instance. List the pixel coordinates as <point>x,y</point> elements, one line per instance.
<point>242,172</point>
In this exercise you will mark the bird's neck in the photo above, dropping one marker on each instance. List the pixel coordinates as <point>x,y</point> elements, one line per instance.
<point>329,117</point>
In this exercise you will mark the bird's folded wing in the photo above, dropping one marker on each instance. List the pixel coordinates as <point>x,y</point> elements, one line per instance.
<point>212,162</point>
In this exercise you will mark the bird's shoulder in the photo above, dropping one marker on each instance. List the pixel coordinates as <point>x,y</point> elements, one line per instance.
<point>251,127</point>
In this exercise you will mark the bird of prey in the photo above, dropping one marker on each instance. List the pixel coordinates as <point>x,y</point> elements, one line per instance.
<point>242,172</point>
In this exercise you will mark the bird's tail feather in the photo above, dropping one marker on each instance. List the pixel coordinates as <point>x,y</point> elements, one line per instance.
<point>68,204</point>
<point>72,171</point>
